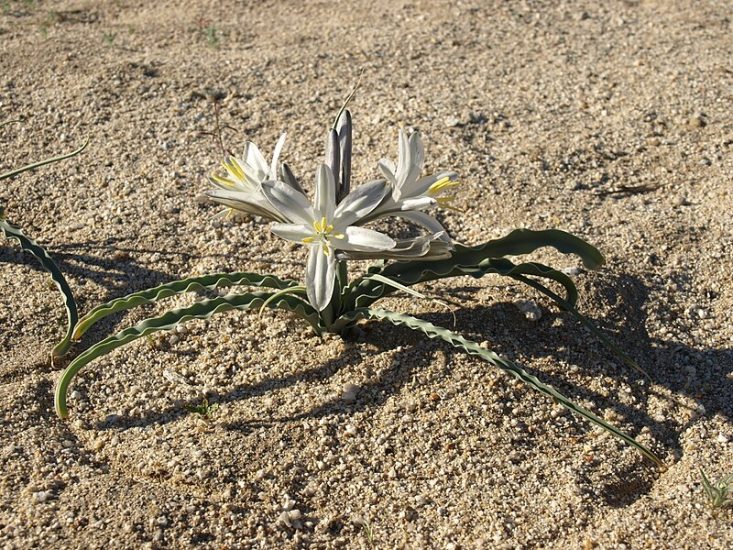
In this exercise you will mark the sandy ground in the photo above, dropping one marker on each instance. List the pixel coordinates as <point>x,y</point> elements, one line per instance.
<point>612,122</point>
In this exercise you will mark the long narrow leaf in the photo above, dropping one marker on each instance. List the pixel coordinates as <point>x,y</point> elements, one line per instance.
<point>473,348</point>
<point>367,290</point>
<point>205,282</point>
<point>13,232</point>
<point>200,310</point>
<point>40,163</point>
<point>466,260</point>
<point>526,241</point>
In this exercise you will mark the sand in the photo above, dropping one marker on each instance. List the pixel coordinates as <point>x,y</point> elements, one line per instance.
<point>612,121</point>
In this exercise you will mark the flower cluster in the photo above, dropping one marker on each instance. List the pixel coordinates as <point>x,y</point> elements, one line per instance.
<point>333,225</point>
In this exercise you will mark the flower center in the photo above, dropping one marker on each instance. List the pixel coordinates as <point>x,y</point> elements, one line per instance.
<point>323,233</point>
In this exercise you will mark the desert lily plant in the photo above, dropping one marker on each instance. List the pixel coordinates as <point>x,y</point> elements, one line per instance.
<point>11,231</point>
<point>332,227</point>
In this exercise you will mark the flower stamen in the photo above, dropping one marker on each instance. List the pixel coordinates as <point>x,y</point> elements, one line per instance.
<point>441,185</point>
<point>447,203</point>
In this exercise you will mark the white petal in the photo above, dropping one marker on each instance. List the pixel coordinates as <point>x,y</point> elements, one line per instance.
<point>418,203</point>
<point>403,157</point>
<point>424,247</point>
<point>292,231</point>
<point>360,202</point>
<point>291,203</point>
<point>388,169</point>
<point>246,202</point>
<point>254,176</point>
<point>254,158</point>
<point>361,238</point>
<point>333,155</point>
<point>320,275</point>
<point>411,172</point>
<point>428,222</point>
<point>276,155</point>
<point>417,150</point>
<point>325,202</point>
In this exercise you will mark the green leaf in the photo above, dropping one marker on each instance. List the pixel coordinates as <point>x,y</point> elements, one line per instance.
<point>13,232</point>
<point>40,163</point>
<point>473,348</point>
<point>291,290</point>
<point>204,282</point>
<point>468,260</point>
<point>367,290</point>
<point>200,310</point>
<point>526,241</point>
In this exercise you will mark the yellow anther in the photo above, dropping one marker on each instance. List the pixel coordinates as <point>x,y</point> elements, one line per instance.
<point>222,181</point>
<point>319,225</point>
<point>308,240</point>
<point>322,226</point>
<point>441,185</point>
<point>233,166</point>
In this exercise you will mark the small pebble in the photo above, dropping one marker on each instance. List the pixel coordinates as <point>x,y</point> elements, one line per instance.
<point>42,496</point>
<point>530,309</point>
<point>290,519</point>
<point>162,521</point>
<point>348,393</point>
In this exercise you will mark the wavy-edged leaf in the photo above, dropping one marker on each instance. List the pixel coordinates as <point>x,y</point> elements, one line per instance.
<point>473,348</point>
<point>169,320</point>
<point>204,282</point>
<point>526,241</point>
<point>367,290</point>
<point>40,163</point>
<point>13,232</point>
<point>470,258</point>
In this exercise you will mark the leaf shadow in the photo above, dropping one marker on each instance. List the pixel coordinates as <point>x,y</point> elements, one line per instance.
<point>558,336</point>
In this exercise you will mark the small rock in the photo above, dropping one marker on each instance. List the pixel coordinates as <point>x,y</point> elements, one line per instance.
<point>452,122</point>
<point>697,121</point>
<point>348,393</point>
<point>723,438</point>
<point>42,496</point>
<point>290,519</point>
<point>530,309</point>
<point>572,271</point>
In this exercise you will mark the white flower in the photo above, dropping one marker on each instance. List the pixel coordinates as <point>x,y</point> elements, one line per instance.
<point>241,187</point>
<point>410,193</point>
<point>424,247</point>
<point>327,228</point>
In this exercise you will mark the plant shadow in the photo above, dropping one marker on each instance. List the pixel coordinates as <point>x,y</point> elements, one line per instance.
<point>557,335</point>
